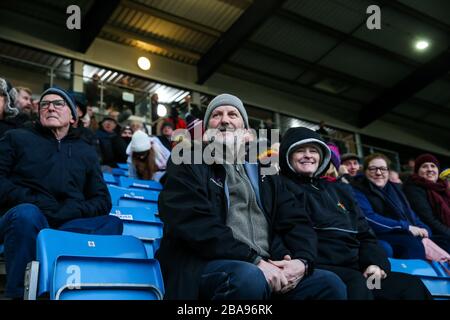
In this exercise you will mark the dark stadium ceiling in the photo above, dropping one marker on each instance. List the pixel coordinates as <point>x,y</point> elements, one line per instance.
<point>319,47</point>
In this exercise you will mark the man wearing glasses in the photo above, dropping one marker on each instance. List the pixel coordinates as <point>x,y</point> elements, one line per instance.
<point>49,178</point>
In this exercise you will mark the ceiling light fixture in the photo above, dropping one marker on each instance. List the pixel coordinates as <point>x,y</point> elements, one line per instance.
<point>144,63</point>
<point>422,44</point>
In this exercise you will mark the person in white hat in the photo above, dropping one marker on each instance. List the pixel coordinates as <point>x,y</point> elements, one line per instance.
<point>148,155</point>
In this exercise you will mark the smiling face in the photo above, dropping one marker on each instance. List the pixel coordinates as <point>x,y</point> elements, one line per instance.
<point>352,166</point>
<point>228,120</point>
<point>429,171</point>
<point>377,171</point>
<point>305,160</point>
<point>52,116</point>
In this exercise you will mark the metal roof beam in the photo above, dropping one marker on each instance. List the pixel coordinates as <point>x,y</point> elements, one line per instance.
<point>94,20</point>
<point>238,33</point>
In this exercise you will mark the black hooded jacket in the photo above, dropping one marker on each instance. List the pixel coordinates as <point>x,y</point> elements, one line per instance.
<point>344,236</point>
<point>61,177</point>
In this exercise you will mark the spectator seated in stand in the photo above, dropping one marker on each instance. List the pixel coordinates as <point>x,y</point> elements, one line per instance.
<point>429,196</point>
<point>347,245</point>
<point>222,237</point>
<point>49,178</point>
<point>109,141</point>
<point>389,212</point>
<point>350,167</point>
<point>148,156</point>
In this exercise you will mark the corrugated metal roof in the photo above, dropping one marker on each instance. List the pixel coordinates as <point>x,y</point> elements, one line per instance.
<point>37,59</point>
<point>157,32</point>
<point>217,14</point>
<point>146,47</point>
<point>289,37</point>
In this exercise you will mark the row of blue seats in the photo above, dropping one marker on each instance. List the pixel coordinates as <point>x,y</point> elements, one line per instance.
<point>126,182</point>
<point>435,276</point>
<point>104,267</point>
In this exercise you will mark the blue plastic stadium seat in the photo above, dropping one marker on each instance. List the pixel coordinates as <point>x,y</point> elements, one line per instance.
<point>102,278</point>
<point>109,178</point>
<point>2,248</point>
<point>127,197</point>
<point>141,223</point>
<point>119,172</point>
<point>441,268</point>
<point>412,266</point>
<point>126,182</point>
<point>439,286</point>
<point>142,213</point>
<point>123,166</point>
<point>99,267</point>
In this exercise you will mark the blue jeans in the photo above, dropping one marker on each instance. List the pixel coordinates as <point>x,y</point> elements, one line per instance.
<point>19,228</point>
<point>236,280</point>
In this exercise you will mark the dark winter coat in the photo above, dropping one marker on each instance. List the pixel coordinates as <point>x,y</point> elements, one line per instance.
<point>385,215</point>
<point>61,177</point>
<point>193,206</point>
<point>420,203</point>
<point>344,236</point>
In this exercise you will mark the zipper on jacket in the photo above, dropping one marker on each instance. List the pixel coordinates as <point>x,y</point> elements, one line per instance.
<point>59,145</point>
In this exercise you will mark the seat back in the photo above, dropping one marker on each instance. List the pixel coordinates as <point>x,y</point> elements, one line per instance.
<point>442,268</point>
<point>148,213</point>
<point>127,197</point>
<point>143,224</point>
<point>123,166</point>
<point>109,178</point>
<point>51,244</point>
<point>100,278</point>
<point>412,266</point>
<point>119,172</point>
<point>439,286</point>
<point>127,182</point>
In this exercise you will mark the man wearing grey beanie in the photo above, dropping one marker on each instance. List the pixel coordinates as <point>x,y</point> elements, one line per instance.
<point>226,121</point>
<point>223,238</point>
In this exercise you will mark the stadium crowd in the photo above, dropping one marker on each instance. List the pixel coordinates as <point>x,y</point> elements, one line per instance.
<point>320,228</point>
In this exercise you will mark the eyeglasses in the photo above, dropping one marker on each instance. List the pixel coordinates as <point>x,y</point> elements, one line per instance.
<point>375,169</point>
<point>58,104</point>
